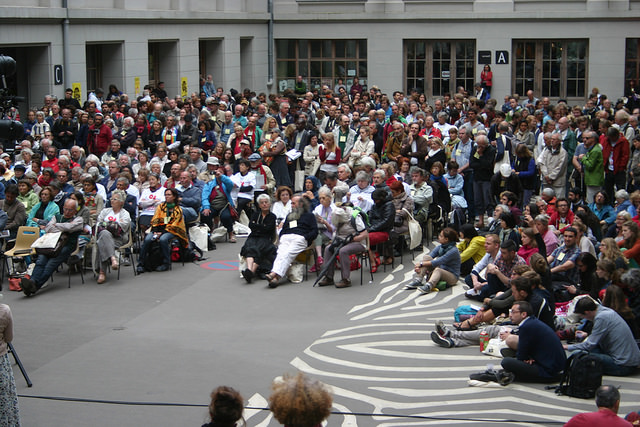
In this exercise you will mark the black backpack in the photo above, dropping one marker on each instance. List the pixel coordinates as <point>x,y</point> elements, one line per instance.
<point>582,376</point>
<point>154,257</point>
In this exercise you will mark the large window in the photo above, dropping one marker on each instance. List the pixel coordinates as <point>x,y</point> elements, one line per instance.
<point>436,67</point>
<point>632,64</point>
<point>553,68</point>
<point>93,66</point>
<point>320,62</point>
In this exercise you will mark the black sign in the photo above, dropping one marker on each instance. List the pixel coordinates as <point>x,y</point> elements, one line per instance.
<point>484,57</point>
<point>502,56</point>
<point>57,74</point>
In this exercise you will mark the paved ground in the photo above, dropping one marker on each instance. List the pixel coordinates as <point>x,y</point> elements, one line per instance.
<point>172,337</point>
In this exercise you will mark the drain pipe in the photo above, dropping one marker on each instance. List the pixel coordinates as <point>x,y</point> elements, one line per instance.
<point>270,44</point>
<point>65,45</point>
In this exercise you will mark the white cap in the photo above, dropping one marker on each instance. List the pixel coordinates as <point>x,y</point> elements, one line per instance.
<point>505,170</point>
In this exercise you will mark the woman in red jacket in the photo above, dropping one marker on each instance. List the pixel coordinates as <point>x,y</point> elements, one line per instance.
<point>486,78</point>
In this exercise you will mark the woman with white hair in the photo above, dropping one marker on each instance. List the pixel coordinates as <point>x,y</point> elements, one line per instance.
<point>360,194</point>
<point>259,250</point>
<point>112,230</point>
<point>41,127</point>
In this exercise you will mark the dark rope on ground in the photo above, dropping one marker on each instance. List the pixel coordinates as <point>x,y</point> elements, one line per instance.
<point>356,414</point>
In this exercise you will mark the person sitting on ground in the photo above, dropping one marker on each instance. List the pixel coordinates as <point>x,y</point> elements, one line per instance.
<point>499,274</point>
<point>443,264</point>
<point>615,299</point>
<point>562,262</point>
<point>381,220</point>
<point>347,224</point>
<point>477,278</point>
<point>112,231</point>
<point>68,223</point>
<point>608,403</point>
<point>300,401</point>
<point>299,230</point>
<point>471,247</point>
<point>225,408</point>
<point>631,242</point>
<point>611,339</point>
<point>539,356</point>
<point>508,230</point>
<point>532,243</point>
<point>167,224</point>
<point>259,250</point>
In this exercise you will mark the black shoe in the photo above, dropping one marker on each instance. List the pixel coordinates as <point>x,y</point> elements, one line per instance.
<point>413,284</point>
<point>247,274</point>
<point>140,269</point>
<point>441,341</point>
<point>274,283</point>
<point>501,376</point>
<point>28,286</point>
<point>163,267</point>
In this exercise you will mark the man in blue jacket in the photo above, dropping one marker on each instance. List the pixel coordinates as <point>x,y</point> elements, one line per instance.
<point>190,197</point>
<point>216,202</point>
<point>540,356</point>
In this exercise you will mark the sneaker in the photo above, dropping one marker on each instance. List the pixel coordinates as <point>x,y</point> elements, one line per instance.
<point>139,269</point>
<point>326,281</point>
<point>344,283</point>
<point>425,289</point>
<point>441,341</point>
<point>28,286</point>
<point>126,261</point>
<point>413,284</point>
<point>163,267</point>
<point>441,329</point>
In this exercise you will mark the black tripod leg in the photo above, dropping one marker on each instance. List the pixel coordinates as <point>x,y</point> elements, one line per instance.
<point>17,359</point>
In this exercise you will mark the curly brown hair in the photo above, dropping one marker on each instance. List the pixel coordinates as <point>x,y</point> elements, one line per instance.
<point>226,406</point>
<point>298,401</point>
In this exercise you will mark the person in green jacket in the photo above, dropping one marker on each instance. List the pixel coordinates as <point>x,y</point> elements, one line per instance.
<point>44,210</point>
<point>26,195</point>
<point>593,165</point>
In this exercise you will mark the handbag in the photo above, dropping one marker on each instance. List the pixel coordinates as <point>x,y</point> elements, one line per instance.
<point>232,210</point>
<point>415,231</point>
<point>50,244</point>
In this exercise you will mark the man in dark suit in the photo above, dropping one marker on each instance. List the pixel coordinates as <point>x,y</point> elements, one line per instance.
<point>540,356</point>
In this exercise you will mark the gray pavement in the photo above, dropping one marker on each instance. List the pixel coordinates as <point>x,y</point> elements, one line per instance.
<point>172,337</point>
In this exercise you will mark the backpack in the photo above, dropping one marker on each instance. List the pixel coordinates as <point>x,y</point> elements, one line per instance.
<point>355,212</point>
<point>154,257</point>
<point>189,254</point>
<point>582,376</point>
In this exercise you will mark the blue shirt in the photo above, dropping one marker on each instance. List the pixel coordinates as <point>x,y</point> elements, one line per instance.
<point>561,255</point>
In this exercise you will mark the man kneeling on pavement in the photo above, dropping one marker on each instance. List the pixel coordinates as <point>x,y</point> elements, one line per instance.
<point>67,223</point>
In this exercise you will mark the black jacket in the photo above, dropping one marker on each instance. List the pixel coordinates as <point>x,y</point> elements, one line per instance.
<point>382,216</point>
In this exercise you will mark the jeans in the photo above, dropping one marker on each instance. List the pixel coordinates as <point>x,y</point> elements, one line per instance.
<point>482,195</point>
<point>225,219</point>
<point>345,262</point>
<point>189,214</point>
<point>610,367</point>
<point>493,286</point>
<point>45,266</point>
<point>165,247</point>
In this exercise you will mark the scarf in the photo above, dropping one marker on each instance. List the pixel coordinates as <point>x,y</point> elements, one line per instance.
<point>438,179</point>
<point>447,247</point>
<point>174,224</point>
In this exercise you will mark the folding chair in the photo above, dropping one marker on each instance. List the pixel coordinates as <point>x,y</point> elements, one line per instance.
<point>24,239</point>
<point>121,252</point>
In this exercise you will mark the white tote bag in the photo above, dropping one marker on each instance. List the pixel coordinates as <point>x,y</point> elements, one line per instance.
<point>415,231</point>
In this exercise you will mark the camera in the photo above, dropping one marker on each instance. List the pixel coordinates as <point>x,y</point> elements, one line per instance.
<point>9,129</point>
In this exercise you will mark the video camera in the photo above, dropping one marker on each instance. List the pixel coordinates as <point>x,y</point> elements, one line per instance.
<point>9,129</point>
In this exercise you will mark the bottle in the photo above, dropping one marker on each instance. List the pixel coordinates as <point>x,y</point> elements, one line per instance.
<point>484,340</point>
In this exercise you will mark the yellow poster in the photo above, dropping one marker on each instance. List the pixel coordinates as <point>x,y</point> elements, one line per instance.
<point>136,85</point>
<point>77,91</point>
<point>184,88</point>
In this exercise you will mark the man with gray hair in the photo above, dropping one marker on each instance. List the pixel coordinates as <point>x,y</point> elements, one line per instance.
<point>553,166</point>
<point>608,403</point>
<point>68,222</point>
<point>299,230</point>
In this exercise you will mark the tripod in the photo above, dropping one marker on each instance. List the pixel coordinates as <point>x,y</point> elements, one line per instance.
<point>12,350</point>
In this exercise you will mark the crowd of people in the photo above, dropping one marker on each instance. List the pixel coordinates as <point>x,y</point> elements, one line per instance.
<point>534,204</point>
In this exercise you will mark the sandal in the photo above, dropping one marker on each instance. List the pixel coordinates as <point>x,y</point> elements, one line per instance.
<point>101,278</point>
<point>460,326</point>
<point>232,239</point>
